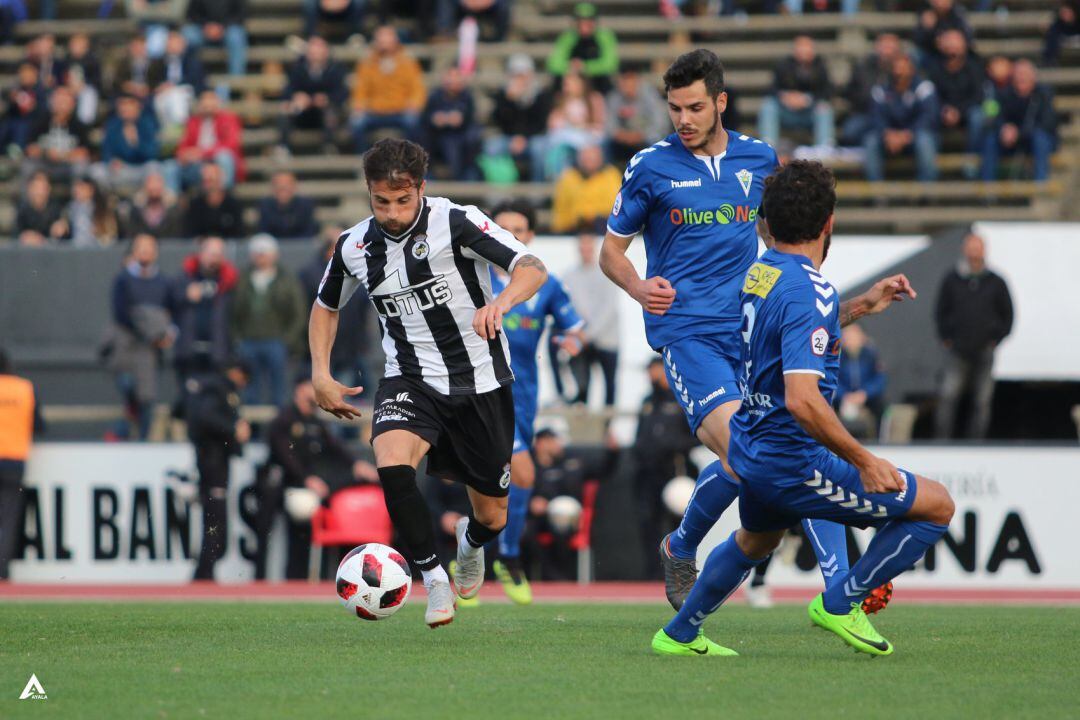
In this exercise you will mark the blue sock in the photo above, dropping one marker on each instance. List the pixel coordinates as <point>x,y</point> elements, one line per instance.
<point>517,510</point>
<point>829,541</point>
<point>724,571</point>
<point>714,492</point>
<point>896,547</point>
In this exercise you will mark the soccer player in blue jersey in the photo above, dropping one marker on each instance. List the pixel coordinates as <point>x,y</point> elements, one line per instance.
<point>695,197</point>
<point>524,326</point>
<point>792,454</point>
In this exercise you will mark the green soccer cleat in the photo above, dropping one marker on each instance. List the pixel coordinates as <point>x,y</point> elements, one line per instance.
<point>514,583</point>
<point>854,628</point>
<point>663,644</point>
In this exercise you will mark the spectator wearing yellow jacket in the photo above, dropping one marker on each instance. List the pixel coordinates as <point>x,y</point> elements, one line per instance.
<point>585,191</point>
<point>388,91</point>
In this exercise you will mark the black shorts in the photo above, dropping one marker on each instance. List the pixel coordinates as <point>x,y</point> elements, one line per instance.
<point>471,436</point>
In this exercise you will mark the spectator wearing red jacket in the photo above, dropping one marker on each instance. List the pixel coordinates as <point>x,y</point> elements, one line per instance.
<point>212,135</point>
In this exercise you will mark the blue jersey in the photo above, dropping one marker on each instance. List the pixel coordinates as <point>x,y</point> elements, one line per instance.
<point>698,216</point>
<point>790,324</point>
<point>524,326</point>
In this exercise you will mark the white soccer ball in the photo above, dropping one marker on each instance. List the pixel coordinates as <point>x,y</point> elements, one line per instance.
<point>373,581</point>
<point>676,494</point>
<point>563,512</point>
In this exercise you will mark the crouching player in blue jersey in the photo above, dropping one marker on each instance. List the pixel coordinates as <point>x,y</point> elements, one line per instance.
<point>524,326</point>
<point>792,454</point>
<point>695,197</point>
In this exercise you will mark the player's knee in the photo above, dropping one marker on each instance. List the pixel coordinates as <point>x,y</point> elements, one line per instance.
<point>937,505</point>
<point>756,545</point>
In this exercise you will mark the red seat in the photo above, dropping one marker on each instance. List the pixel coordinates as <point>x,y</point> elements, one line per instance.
<point>356,515</point>
<point>581,540</point>
<point>583,537</point>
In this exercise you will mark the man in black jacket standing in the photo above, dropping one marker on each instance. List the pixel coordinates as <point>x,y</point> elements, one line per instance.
<point>215,428</point>
<point>974,314</point>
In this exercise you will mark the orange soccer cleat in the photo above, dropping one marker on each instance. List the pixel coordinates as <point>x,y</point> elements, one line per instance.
<point>878,599</point>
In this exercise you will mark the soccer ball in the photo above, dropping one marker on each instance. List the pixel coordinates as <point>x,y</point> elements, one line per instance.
<point>373,581</point>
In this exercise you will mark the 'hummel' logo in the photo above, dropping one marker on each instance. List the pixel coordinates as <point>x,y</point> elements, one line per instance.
<point>686,183</point>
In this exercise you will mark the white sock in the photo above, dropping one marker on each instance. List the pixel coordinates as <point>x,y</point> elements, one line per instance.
<point>466,549</point>
<point>434,575</point>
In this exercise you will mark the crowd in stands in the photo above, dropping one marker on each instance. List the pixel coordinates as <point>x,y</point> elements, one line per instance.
<point>907,101</point>
<point>211,311</point>
<point>109,149</point>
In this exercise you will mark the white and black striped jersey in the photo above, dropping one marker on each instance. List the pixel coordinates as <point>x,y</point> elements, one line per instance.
<point>426,286</point>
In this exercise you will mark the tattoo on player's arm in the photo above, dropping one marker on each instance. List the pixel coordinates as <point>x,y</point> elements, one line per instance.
<point>531,261</point>
<point>850,311</point>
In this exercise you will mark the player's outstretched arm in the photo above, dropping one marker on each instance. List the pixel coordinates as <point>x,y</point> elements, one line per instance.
<point>329,393</point>
<point>879,298</point>
<point>807,405</point>
<point>528,276</point>
<point>655,294</point>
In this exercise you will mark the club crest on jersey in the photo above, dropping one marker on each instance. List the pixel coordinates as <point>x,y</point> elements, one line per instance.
<point>420,247</point>
<point>746,179</point>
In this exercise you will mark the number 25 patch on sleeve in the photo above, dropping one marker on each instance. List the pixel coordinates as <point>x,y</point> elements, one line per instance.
<point>819,341</point>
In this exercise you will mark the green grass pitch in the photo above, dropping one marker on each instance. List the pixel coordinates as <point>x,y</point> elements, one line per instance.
<point>270,660</point>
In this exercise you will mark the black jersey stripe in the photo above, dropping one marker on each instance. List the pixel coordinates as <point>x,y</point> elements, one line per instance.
<point>469,235</point>
<point>440,319</point>
<point>467,269</point>
<point>330,292</point>
<point>405,354</point>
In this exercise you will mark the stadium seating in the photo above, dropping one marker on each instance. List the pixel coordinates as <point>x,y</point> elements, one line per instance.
<point>356,515</point>
<point>748,45</point>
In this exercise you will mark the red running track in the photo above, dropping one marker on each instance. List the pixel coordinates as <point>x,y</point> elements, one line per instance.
<point>600,592</point>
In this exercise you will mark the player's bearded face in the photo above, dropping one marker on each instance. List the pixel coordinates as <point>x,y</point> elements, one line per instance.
<point>695,115</point>
<point>395,207</point>
<point>828,244</point>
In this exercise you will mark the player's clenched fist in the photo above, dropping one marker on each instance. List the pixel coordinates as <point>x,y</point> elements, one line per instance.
<point>881,476</point>
<point>655,295</point>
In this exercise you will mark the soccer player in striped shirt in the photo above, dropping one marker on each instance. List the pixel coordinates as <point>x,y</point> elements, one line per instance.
<point>446,394</point>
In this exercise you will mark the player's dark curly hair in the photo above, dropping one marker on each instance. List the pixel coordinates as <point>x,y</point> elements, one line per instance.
<point>521,207</point>
<point>400,163</point>
<point>798,200</point>
<point>696,65</point>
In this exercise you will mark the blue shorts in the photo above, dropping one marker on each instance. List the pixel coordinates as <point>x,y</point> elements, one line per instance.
<point>524,419</point>
<point>703,373</point>
<point>831,490</point>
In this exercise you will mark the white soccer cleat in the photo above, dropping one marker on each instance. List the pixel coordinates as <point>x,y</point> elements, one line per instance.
<point>440,604</point>
<point>759,597</point>
<point>469,573</point>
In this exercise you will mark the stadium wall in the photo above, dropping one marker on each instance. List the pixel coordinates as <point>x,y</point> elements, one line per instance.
<point>109,514</point>
<point>54,307</point>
